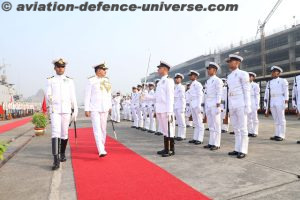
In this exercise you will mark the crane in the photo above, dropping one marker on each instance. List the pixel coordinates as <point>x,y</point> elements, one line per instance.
<point>261,29</point>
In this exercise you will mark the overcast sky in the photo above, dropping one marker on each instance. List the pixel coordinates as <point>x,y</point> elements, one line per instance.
<point>29,41</point>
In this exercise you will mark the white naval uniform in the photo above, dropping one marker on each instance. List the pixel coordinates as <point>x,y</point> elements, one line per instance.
<point>61,97</point>
<point>279,94</point>
<point>213,96</point>
<point>179,109</point>
<point>140,111</point>
<point>188,109</point>
<point>196,92</point>
<point>134,108</point>
<point>164,105</point>
<point>253,117</point>
<point>151,110</point>
<point>144,105</point>
<point>296,93</point>
<point>239,107</point>
<point>116,103</point>
<point>98,101</point>
<point>224,127</point>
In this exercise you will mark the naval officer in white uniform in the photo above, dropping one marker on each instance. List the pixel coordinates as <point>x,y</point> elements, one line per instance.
<point>61,96</point>
<point>98,105</point>
<point>239,104</point>
<point>196,101</point>
<point>277,91</point>
<point>255,100</point>
<point>213,97</point>
<point>179,106</point>
<point>296,96</point>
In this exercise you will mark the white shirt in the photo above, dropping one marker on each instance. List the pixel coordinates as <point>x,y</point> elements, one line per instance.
<point>279,91</point>
<point>164,95</point>
<point>98,95</point>
<point>255,95</point>
<point>179,97</point>
<point>213,91</point>
<point>196,94</point>
<point>239,89</point>
<point>60,94</point>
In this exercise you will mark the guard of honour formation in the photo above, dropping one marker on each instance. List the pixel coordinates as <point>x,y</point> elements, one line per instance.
<point>157,107</point>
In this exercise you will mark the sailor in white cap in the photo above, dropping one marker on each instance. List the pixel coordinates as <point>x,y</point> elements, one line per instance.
<point>151,107</point>
<point>61,96</point>
<point>239,104</point>
<point>225,111</point>
<point>255,101</point>
<point>276,99</point>
<point>139,108</point>
<point>144,108</point>
<point>296,96</point>
<point>134,107</point>
<point>164,105</point>
<point>196,92</point>
<point>159,131</point>
<point>116,107</point>
<point>212,102</point>
<point>179,106</point>
<point>98,105</point>
<point>188,109</point>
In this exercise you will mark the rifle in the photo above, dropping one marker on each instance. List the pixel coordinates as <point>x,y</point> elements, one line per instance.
<point>226,119</point>
<point>267,113</point>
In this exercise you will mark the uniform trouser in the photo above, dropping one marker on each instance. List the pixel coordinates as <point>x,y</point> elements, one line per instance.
<point>158,125</point>
<point>279,120</point>
<point>125,113</point>
<point>117,113</point>
<point>224,127</point>
<point>146,121</point>
<point>214,125</point>
<point>60,124</point>
<point>253,122</point>
<point>162,118</point>
<point>134,116</point>
<point>198,123</point>
<point>239,123</point>
<point>179,114</point>
<point>140,117</point>
<point>152,125</point>
<point>99,121</point>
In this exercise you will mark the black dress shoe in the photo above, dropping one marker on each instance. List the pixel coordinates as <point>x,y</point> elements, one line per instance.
<point>233,153</point>
<point>241,155</point>
<point>192,141</point>
<point>133,126</point>
<point>213,148</point>
<point>188,126</point>
<point>254,135</point>
<point>250,135</point>
<point>168,154</point>
<point>197,142</point>
<point>207,146</point>
<point>278,139</point>
<point>273,138</point>
<point>63,157</point>
<point>162,152</point>
<point>207,129</point>
<point>223,131</point>
<point>179,139</point>
<point>159,133</point>
<point>231,133</point>
<point>102,155</point>
<point>298,142</point>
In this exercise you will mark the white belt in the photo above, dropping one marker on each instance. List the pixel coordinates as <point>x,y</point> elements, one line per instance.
<point>277,95</point>
<point>235,93</point>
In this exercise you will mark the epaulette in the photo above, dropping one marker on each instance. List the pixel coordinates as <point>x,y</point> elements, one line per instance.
<point>50,77</point>
<point>91,77</point>
<point>69,77</point>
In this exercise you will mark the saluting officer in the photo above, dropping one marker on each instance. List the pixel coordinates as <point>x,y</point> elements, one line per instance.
<point>164,105</point>
<point>277,91</point>
<point>179,106</point>
<point>98,104</point>
<point>255,100</point>
<point>213,97</point>
<point>239,104</point>
<point>61,96</point>
<point>196,99</point>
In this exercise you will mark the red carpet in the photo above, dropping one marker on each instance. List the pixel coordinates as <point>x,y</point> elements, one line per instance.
<point>122,175</point>
<point>15,124</point>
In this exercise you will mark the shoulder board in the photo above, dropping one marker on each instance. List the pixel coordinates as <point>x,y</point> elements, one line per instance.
<point>50,77</point>
<point>91,77</point>
<point>69,77</point>
<point>106,78</point>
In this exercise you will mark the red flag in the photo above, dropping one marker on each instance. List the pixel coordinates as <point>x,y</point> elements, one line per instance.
<point>44,106</point>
